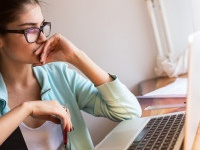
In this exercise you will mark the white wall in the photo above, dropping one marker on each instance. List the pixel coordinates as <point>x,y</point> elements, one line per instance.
<point>178,17</point>
<point>195,4</point>
<point>116,34</point>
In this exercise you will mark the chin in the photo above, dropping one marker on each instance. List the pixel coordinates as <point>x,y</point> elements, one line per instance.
<point>36,60</point>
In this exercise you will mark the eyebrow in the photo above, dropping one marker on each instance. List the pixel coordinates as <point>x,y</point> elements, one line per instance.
<point>30,24</point>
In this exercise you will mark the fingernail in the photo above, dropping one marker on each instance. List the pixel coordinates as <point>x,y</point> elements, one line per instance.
<point>72,129</point>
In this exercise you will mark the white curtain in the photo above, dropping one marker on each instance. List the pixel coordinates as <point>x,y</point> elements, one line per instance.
<point>172,25</point>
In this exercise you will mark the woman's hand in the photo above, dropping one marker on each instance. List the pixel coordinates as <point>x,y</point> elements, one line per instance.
<point>56,48</point>
<point>46,110</point>
<point>52,111</point>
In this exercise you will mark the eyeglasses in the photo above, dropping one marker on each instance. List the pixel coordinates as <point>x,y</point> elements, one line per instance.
<point>32,34</point>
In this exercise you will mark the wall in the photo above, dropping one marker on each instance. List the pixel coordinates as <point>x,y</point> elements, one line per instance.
<point>116,34</point>
<point>195,4</point>
<point>178,19</point>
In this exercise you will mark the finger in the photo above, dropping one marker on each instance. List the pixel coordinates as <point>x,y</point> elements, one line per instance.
<point>68,125</point>
<point>39,50</point>
<point>68,112</point>
<point>50,47</point>
<point>72,128</point>
<point>69,115</point>
<point>45,53</point>
<point>43,57</point>
<point>64,116</point>
<point>67,118</point>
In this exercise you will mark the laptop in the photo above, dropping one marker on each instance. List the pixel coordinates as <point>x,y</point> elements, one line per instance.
<point>139,133</point>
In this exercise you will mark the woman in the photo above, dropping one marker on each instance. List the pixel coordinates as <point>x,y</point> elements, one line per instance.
<point>34,98</point>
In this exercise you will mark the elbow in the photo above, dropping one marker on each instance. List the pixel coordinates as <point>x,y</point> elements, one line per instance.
<point>135,113</point>
<point>127,114</point>
<point>139,112</point>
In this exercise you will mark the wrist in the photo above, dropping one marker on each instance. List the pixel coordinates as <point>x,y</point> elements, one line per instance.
<point>27,107</point>
<point>77,58</point>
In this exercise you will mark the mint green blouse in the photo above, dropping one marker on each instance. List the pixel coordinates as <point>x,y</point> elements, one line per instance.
<point>58,82</point>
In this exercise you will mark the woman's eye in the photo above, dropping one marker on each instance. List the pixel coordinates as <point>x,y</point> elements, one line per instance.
<point>32,31</point>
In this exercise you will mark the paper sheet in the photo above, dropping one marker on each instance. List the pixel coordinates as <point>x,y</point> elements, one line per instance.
<point>176,89</point>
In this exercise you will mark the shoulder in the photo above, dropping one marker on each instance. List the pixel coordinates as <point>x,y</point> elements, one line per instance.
<point>55,65</point>
<point>56,69</point>
<point>52,67</point>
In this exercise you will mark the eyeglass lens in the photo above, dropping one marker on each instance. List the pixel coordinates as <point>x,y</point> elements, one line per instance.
<point>33,34</point>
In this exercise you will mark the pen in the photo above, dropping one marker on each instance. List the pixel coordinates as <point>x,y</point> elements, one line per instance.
<point>65,138</point>
<point>165,106</point>
<point>65,132</point>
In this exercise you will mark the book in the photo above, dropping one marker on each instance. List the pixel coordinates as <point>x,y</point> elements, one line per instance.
<point>176,89</point>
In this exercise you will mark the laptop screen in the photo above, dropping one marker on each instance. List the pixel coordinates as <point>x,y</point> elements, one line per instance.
<point>193,97</point>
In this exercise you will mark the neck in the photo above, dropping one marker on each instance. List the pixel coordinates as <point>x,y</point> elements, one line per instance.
<point>16,74</point>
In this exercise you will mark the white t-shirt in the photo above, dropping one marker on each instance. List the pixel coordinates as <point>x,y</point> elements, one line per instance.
<point>46,137</point>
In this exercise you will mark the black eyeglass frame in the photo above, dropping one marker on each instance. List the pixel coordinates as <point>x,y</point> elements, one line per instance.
<point>26,31</point>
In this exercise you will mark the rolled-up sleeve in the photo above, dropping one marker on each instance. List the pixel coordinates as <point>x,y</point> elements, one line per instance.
<point>112,100</point>
<point>118,102</point>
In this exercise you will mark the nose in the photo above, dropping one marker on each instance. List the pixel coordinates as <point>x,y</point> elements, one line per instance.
<point>42,38</point>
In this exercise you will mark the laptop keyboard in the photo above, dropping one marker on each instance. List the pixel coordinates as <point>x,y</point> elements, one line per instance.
<point>159,133</point>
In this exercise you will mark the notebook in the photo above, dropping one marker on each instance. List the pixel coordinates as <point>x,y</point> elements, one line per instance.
<point>134,134</point>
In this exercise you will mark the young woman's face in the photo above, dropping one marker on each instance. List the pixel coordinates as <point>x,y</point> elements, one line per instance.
<point>15,47</point>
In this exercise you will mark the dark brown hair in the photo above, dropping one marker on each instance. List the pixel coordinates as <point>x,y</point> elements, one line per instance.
<point>9,10</point>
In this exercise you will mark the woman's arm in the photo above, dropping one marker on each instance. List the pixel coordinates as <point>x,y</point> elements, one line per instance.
<point>97,75</point>
<point>118,104</point>
<point>58,48</point>
<point>112,99</point>
<point>11,120</point>
<point>46,110</point>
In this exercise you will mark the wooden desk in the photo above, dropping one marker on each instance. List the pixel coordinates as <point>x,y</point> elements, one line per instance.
<point>153,84</point>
